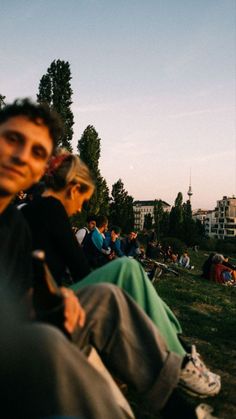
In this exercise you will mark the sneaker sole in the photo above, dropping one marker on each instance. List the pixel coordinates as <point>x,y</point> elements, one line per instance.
<point>195,394</point>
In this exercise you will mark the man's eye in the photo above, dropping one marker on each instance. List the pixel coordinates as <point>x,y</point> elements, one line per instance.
<point>12,138</point>
<point>39,153</point>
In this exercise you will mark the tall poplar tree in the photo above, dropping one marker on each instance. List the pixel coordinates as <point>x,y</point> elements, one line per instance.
<point>161,219</point>
<point>89,150</point>
<point>189,225</point>
<point>148,221</point>
<point>55,90</point>
<point>176,218</point>
<point>2,101</point>
<point>121,207</point>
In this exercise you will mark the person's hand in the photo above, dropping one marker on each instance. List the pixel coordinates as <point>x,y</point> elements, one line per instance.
<point>134,235</point>
<point>111,256</point>
<point>114,236</point>
<point>73,312</point>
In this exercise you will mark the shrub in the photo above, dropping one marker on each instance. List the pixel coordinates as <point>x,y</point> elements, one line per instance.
<point>177,245</point>
<point>208,244</point>
<point>225,247</point>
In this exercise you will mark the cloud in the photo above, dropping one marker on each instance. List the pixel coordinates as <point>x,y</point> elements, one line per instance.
<point>222,156</point>
<point>200,112</point>
<point>98,107</point>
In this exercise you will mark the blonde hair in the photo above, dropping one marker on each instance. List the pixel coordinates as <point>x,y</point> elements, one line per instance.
<point>66,168</point>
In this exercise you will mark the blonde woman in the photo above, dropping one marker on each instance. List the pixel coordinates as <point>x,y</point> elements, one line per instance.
<point>68,185</point>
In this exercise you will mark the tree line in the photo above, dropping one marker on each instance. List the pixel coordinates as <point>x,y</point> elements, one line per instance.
<point>56,91</point>
<point>177,223</point>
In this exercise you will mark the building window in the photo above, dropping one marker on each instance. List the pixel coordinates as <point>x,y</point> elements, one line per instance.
<point>230,232</point>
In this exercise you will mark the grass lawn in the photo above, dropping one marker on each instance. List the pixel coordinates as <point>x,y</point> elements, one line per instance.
<point>207,313</point>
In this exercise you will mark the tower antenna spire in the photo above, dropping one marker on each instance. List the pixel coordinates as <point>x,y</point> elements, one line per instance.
<point>190,188</point>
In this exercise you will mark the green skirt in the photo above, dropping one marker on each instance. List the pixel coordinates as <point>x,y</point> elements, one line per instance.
<point>129,275</point>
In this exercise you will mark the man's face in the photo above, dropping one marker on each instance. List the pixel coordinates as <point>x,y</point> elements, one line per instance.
<point>114,235</point>
<point>24,151</point>
<point>104,228</point>
<point>132,235</point>
<point>91,225</point>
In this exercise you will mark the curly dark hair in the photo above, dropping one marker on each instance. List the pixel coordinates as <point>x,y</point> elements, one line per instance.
<point>34,112</point>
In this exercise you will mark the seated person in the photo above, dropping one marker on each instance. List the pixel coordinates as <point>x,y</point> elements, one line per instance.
<point>82,233</point>
<point>151,250</point>
<point>26,143</point>
<point>160,251</point>
<point>113,241</point>
<point>219,272</point>
<point>130,245</point>
<point>228,264</point>
<point>169,255</point>
<point>95,247</point>
<point>206,267</point>
<point>184,261</point>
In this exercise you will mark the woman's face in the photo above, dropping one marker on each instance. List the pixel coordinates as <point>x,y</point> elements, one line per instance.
<point>76,199</point>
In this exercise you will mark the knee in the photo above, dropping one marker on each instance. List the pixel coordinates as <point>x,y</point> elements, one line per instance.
<point>127,264</point>
<point>103,290</point>
<point>98,296</point>
<point>41,339</point>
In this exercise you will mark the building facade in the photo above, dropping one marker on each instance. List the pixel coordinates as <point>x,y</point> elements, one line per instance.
<point>200,215</point>
<point>142,208</point>
<point>221,222</point>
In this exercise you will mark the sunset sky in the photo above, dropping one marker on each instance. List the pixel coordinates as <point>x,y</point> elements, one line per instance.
<point>156,78</point>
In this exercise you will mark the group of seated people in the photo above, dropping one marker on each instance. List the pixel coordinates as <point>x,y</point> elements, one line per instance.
<point>102,245</point>
<point>156,250</point>
<point>217,268</point>
<point>115,309</point>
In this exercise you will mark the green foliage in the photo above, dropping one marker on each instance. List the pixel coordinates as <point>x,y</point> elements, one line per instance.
<point>2,101</point>
<point>55,90</point>
<point>158,216</point>
<point>99,203</point>
<point>225,247</point>
<point>178,246</point>
<point>208,244</point>
<point>161,219</point>
<point>89,150</point>
<point>79,220</point>
<point>121,207</point>
<point>176,217</point>
<point>190,229</point>
<point>182,225</point>
<point>148,220</point>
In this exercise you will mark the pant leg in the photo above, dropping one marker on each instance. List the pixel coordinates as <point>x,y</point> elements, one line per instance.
<point>43,374</point>
<point>128,342</point>
<point>129,275</point>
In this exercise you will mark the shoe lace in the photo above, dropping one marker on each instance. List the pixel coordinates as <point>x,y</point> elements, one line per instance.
<point>198,363</point>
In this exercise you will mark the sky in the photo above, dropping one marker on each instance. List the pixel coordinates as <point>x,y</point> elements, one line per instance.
<point>156,79</point>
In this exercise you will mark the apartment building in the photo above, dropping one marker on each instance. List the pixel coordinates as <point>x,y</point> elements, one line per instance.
<point>141,208</point>
<point>200,215</point>
<point>221,222</point>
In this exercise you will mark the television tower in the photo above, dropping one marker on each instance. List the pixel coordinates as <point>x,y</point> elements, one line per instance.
<point>190,189</point>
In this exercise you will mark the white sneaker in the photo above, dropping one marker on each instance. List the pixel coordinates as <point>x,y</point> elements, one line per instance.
<point>204,411</point>
<point>199,362</point>
<point>198,381</point>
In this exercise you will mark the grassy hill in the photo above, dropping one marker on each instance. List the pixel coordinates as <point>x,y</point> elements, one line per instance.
<point>207,313</point>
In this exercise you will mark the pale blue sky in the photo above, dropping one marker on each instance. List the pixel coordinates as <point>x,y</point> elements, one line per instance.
<point>156,78</point>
